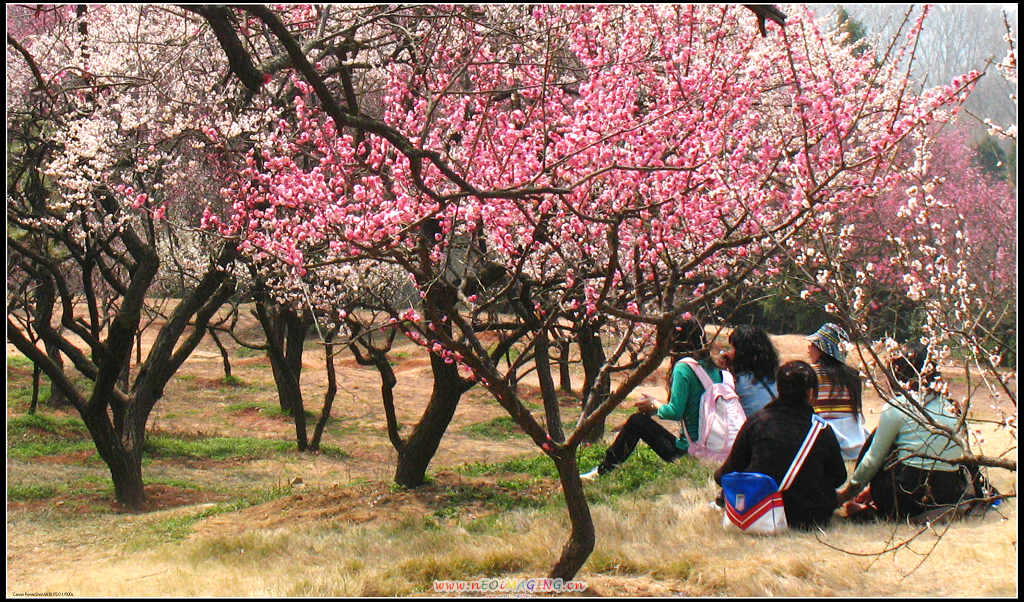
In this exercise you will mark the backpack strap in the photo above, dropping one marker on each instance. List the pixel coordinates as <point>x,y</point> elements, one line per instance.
<point>702,374</point>
<point>705,379</point>
<point>817,425</point>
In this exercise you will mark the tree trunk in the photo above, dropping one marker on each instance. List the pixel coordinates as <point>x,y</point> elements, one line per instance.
<point>296,339</point>
<point>581,538</point>
<point>45,298</point>
<point>419,449</point>
<point>274,330</point>
<point>564,377</point>
<point>286,331</point>
<point>594,391</point>
<point>35,389</point>
<point>387,396</point>
<point>224,358</point>
<point>332,390</point>
<point>57,398</point>
<point>125,463</point>
<point>542,363</point>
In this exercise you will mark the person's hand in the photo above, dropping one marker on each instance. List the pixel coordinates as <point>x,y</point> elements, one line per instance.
<point>846,493</point>
<point>647,405</point>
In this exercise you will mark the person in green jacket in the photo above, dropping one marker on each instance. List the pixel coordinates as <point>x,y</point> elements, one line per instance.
<point>683,405</point>
<point>911,466</point>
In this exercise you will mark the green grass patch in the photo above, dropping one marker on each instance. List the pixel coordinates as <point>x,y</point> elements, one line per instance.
<point>215,448</point>
<point>24,425</point>
<point>19,395</point>
<point>24,493</point>
<point>234,386</point>
<point>35,449</point>
<point>277,412</point>
<point>35,435</point>
<point>504,428</point>
<point>489,524</point>
<point>247,405</point>
<point>397,357</point>
<point>268,409</point>
<point>501,428</point>
<point>499,497</point>
<point>248,352</point>
<point>644,473</point>
<point>19,384</point>
<point>225,448</point>
<point>339,428</point>
<point>536,465</point>
<point>17,360</point>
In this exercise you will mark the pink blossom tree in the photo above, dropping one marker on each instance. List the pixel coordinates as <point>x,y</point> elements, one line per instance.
<point>633,162</point>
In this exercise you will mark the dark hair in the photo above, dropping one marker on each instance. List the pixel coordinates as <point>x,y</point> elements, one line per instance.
<point>843,376</point>
<point>795,379</point>
<point>754,353</point>
<point>687,340</point>
<point>911,369</point>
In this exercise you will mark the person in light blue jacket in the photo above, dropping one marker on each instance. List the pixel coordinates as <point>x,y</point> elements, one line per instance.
<point>753,361</point>
<point>910,461</point>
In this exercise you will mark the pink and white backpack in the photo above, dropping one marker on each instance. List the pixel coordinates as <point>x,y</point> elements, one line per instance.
<point>721,416</point>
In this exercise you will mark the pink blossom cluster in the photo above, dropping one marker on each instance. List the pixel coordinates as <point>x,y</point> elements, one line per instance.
<point>671,136</point>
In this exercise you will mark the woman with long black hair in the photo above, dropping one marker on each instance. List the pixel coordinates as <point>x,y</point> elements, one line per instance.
<point>753,361</point>
<point>839,388</point>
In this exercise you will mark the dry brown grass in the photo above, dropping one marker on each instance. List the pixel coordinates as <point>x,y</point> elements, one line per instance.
<point>363,539</point>
<point>673,544</point>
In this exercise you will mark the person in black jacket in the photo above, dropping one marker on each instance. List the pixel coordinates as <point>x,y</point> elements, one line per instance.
<point>770,438</point>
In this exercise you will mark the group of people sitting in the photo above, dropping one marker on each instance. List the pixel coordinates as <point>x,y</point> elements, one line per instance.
<point>904,470</point>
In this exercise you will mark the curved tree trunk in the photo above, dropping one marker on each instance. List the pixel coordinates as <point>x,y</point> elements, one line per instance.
<point>581,537</point>
<point>419,449</point>
<point>45,299</point>
<point>332,390</point>
<point>542,363</point>
<point>124,462</point>
<point>224,356</point>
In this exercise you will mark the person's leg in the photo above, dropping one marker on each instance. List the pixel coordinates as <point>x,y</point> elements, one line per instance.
<point>917,491</point>
<point>640,427</point>
<point>939,497</point>
<point>883,493</point>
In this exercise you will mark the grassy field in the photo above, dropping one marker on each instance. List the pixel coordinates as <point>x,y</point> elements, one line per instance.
<point>236,511</point>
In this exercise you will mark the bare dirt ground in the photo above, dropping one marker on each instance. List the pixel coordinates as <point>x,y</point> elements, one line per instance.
<point>350,487</point>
